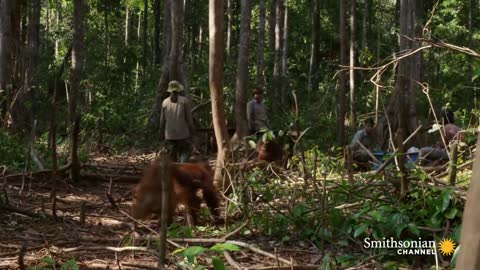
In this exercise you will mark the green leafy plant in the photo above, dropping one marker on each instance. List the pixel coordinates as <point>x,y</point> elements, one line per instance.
<point>192,253</point>
<point>48,263</point>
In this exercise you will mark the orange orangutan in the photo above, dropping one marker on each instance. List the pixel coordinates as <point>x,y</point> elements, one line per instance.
<point>186,179</point>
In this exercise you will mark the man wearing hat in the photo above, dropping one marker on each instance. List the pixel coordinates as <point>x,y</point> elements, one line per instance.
<point>257,113</point>
<point>176,123</point>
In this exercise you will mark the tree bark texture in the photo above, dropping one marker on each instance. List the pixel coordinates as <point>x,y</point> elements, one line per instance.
<point>314,46</point>
<point>242,71</point>
<point>75,79</point>
<point>353,116</point>
<point>341,78</point>
<point>5,55</point>
<point>468,258</point>
<point>261,43</point>
<point>215,71</point>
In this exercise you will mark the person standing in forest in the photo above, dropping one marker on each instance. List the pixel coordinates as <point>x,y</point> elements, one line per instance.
<point>176,123</point>
<point>257,113</point>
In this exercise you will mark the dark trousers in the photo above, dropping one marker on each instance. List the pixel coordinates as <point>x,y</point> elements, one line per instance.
<point>179,150</point>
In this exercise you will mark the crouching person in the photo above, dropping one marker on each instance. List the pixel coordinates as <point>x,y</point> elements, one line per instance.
<point>366,137</point>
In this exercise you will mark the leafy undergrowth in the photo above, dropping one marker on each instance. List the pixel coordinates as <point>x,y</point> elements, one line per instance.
<point>323,220</point>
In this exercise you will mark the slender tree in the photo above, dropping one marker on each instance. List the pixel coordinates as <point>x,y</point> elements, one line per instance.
<point>32,52</point>
<point>276,84</point>
<point>215,73</point>
<point>284,79</point>
<point>341,78</point>
<point>261,43</point>
<point>352,63</point>
<point>229,27</point>
<point>145,38</point>
<point>314,46</point>
<point>5,53</point>
<point>242,72</point>
<point>271,25</point>
<point>156,32</point>
<point>75,78</point>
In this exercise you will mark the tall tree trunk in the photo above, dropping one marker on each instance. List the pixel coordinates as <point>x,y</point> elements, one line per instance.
<point>276,84</point>
<point>415,30</point>
<point>365,24</point>
<point>314,47</point>
<point>284,81</point>
<point>353,117</point>
<point>468,258</point>
<point>125,43</point>
<point>106,35</point>
<point>58,19</point>
<point>127,25</point>
<point>173,66</point>
<point>145,38</point>
<point>242,72</point>
<point>16,112</point>
<point>164,78</point>
<point>341,78</point>
<point>408,73</point>
<point>215,73</point>
<point>176,71</point>
<point>5,55</point>
<point>229,27</point>
<point>156,32</point>
<point>261,43</point>
<point>401,108</point>
<point>137,69</point>
<point>32,52</point>
<point>177,37</point>
<point>271,26</point>
<point>75,78</point>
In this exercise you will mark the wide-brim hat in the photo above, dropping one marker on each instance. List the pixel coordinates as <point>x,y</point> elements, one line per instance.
<point>174,86</point>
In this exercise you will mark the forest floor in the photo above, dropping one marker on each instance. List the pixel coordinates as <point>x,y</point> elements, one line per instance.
<point>29,236</point>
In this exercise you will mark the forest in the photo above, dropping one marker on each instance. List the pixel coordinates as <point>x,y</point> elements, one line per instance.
<point>239,134</point>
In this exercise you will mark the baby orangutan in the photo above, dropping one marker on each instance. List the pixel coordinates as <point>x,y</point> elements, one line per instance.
<point>186,179</point>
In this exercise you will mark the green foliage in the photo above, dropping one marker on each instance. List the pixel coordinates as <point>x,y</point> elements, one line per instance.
<point>291,214</point>
<point>48,263</point>
<point>191,255</point>
<point>12,152</point>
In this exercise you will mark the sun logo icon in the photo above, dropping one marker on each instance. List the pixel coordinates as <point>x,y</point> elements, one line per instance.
<point>447,247</point>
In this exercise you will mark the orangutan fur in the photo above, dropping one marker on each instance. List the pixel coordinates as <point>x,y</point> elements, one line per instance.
<point>186,179</point>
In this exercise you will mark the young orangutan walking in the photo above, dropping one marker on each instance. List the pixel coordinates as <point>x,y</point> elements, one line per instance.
<point>186,179</point>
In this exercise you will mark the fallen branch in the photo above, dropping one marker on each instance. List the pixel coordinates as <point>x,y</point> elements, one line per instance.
<point>115,177</point>
<point>291,267</point>
<point>148,228</point>
<point>461,167</point>
<point>232,233</point>
<point>260,251</point>
<point>22,211</point>
<point>31,174</point>
<point>115,249</point>
<point>348,205</point>
<point>141,266</point>
<point>231,261</point>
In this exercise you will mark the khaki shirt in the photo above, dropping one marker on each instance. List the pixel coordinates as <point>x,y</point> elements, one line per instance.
<point>176,119</point>
<point>256,115</point>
